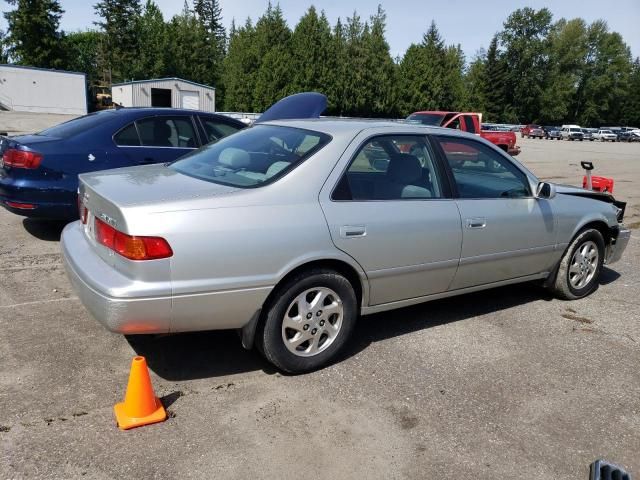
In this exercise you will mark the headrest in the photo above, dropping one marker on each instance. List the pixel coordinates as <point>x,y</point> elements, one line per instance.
<point>404,168</point>
<point>234,158</point>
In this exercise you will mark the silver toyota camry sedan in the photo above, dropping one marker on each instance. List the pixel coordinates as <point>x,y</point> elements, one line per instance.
<point>293,229</point>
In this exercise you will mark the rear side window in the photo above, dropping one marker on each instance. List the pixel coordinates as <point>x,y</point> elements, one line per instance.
<point>165,131</point>
<point>468,121</point>
<point>391,168</point>
<point>127,137</point>
<point>216,129</point>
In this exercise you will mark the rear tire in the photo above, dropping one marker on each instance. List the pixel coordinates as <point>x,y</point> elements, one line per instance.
<point>309,321</point>
<point>580,266</point>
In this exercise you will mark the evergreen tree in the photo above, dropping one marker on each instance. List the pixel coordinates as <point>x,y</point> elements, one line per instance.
<point>476,81</point>
<point>209,14</point>
<point>526,52</point>
<point>312,62</point>
<point>154,43</point>
<point>33,36</point>
<point>188,56</point>
<point>240,67</point>
<point>4,53</point>
<point>272,36</point>
<point>82,54</point>
<point>120,21</point>
<point>336,88</point>
<point>379,70</point>
<point>495,83</point>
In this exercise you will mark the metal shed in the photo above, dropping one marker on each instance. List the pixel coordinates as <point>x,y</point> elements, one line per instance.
<point>31,89</point>
<point>165,92</point>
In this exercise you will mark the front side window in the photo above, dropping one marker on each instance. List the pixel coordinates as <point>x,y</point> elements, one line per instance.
<point>391,168</point>
<point>166,131</point>
<point>481,172</point>
<point>252,157</point>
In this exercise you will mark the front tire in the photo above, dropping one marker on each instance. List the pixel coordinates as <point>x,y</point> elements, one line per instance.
<point>580,266</point>
<point>309,321</point>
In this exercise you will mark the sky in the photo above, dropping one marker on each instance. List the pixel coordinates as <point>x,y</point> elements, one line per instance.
<point>470,23</point>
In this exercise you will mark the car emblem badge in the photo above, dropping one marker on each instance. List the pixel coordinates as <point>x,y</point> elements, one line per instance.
<point>91,157</point>
<point>106,218</point>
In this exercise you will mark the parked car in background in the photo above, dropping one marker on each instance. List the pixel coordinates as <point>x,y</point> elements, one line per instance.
<point>606,136</point>
<point>39,172</point>
<point>327,234</point>
<point>467,122</point>
<point>588,133</point>
<point>628,134</point>
<point>537,132</point>
<point>572,132</point>
<point>553,133</point>
<point>526,130</point>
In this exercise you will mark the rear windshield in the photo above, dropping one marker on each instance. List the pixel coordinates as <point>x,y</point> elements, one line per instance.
<point>426,118</point>
<point>78,125</point>
<point>252,157</point>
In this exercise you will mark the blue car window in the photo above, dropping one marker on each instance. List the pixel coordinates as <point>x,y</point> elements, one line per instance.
<point>167,131</point>
<point>128,136</point>
<point>79,125</point>
<point>215,129</point>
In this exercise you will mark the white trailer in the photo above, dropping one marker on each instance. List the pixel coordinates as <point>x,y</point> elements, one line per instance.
<point>30,89</point>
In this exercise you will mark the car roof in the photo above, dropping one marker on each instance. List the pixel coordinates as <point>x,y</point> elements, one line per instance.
<point>352,126</point>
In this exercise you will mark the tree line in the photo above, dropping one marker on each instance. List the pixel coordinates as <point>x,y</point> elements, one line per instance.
<point>534,70</point>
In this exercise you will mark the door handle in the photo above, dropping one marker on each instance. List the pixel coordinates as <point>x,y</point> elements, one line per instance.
<point>353,231</point>
<point>477,222</point>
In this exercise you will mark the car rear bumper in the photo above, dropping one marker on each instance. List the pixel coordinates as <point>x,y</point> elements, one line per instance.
<point>121,304</point>
<point>30,202</point>
<point>513,151</point>
<point>615,250</point>
<point>130,306</point>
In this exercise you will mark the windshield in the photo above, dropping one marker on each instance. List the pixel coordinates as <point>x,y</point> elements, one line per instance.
<point>252,157</point>
<point>78,125</point>
<point>575,130</point>
<point>607,131</point>
<point>426,118</point>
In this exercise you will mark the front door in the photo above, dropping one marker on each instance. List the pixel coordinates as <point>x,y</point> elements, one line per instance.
<point>507,232</point>
<point>390,212</point>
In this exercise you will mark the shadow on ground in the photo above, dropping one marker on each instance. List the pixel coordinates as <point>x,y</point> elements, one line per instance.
<point>47,230</point>
<point>218,353</point>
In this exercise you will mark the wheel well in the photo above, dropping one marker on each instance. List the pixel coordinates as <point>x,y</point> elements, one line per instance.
<point>338,265</point>
<point>502,146</point>
<point>602,227</point>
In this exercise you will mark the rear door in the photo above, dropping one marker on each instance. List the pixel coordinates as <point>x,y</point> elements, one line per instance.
<point>391,211</point>
<point>157,139</point>
<point>507,232</point>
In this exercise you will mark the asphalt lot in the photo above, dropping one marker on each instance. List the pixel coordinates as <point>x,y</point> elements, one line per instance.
<point>508,383</point>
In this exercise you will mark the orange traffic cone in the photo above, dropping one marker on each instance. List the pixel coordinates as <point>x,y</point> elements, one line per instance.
<point>140,406</point>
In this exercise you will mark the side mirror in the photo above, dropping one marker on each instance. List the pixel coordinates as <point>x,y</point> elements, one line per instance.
<point>546,190</point>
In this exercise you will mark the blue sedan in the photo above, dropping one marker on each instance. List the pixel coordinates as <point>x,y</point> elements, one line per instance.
<point>39,172</point>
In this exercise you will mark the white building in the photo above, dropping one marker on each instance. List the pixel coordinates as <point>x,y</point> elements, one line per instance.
<point>30,89</point>
<point>165,92</point>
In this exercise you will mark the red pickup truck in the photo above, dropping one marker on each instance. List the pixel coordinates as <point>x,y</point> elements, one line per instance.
<point>467,122</point>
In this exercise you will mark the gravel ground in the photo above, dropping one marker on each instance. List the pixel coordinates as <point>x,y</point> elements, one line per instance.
<point>507,383</point>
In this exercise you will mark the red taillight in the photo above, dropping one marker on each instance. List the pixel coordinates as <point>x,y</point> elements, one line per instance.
<point>131,247</point>
<point>21,159</point>
<point>21,206</point>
